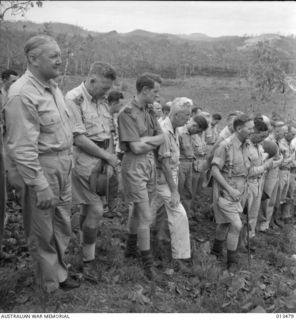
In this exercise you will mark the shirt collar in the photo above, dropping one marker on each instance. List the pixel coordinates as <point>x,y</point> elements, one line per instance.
<point>136,104</point>
<point>167,124</point>
<point>40,85</point>
<point>236,141</point>
<point>87,95</point>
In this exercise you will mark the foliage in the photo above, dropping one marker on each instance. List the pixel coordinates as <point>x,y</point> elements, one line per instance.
<point>17,7</point>
<point>134,52</point>
<point>267,70</point>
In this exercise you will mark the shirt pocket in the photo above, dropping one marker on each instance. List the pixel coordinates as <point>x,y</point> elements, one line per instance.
<point>49,121</point>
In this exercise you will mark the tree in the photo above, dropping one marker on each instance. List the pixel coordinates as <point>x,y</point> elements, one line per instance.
<point>266,70</point>
<point>17,7</point>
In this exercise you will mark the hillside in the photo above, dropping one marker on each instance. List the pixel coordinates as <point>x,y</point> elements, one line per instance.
<point>171,55</point>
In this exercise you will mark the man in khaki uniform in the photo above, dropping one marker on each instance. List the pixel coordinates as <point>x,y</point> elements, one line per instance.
<point>284,175</point>
<point>167,184</point>
<point>230,167</point>
<point>39,148</point>
<point>271,182</point>
<point>187,157</point>
<point>259,166</point>
<point>139,136</point>
<point>92,126</point>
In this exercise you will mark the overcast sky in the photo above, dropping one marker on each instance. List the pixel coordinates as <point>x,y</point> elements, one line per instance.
<point>208,17</point>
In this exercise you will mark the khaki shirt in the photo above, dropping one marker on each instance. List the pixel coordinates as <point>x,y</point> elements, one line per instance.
<point>169,149</point>
<point>211,134</point>
<point>232,159</point>
<point>135,122</point>
<point>37,122</point>
<point>255,155</point>
<point>286,152</point>
<point>186,144</point>
<point>90,117</point>
<point>225,133</point>
<point>199,145</point>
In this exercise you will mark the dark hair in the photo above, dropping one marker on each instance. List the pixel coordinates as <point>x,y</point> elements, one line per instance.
<point>217,116</point>
<point>147,80</point>
<point>114,96</point>
<point>166,108</point>
<point>99,68</point>
<point>260,125</point>
<point>202,122</point>
<point>7,73</point>
<point>241,120</point>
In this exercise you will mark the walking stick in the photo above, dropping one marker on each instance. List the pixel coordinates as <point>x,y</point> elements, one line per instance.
<point>248,233</point>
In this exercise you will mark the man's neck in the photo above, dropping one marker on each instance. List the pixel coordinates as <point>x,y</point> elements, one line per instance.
<point>37,74</point>
<point>140,101</point>
<point>240,138</point>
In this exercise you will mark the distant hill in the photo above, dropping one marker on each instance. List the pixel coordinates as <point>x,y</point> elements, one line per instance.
<point>171,55</point>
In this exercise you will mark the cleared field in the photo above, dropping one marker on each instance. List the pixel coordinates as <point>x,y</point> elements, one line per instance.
<point>213,94</point>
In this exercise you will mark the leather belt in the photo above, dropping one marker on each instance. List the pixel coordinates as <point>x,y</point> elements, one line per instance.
<point>187,159</point>
<point>104,144</point>
<point>285,169</point>
<point>56,153</point>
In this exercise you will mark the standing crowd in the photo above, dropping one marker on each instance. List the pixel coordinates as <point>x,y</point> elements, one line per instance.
<point>85,149</point>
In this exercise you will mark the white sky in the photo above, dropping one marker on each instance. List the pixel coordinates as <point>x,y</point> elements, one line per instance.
<point>214,18</point>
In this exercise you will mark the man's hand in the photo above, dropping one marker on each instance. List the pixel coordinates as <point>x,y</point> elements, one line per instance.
<point>113,160</point>
<point>268,164</point>
<point>45,199</point>
<point>234,194</point>
<point>175,198</point>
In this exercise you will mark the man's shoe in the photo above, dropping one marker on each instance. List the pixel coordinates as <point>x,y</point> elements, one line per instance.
<point>232,261</point>
<point>131,250</point>
<point>69,284</point>
<point>217,249</point>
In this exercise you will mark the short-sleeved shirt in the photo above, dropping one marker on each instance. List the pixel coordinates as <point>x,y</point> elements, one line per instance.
<point>90,117</point>
<point>186,144</point>
<point>286,152</point>
<point>293,149</point>
<point>225,133</point>
<point>37,122</point>
<point>255,155</point>
<point>231,157</point>
<point>211,134</point>
<point>199,145</point>
<point>135,122</point>
<point>169,148</point>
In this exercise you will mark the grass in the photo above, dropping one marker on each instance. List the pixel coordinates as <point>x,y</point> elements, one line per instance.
<point>268,282</point>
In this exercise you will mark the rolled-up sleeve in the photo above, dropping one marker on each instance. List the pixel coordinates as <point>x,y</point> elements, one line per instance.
<point>77,124</point>
<point>164,150</point>
<point>127,128</point>
<point>22,132</point>
<point>219,157</point>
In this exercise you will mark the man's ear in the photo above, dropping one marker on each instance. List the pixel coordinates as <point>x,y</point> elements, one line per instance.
<point>33,60</point>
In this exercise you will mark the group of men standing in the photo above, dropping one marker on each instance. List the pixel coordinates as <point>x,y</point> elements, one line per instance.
<point>65,150</point>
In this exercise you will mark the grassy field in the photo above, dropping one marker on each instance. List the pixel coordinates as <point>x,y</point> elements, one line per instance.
<point>267,283</point>
<point>221,95</point>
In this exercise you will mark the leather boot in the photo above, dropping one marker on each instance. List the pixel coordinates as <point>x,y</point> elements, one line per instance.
<point>217,248</point>
<point>131,250</point>
<point>232,260</point>
<point>154,244</point>
<point>147,261</point>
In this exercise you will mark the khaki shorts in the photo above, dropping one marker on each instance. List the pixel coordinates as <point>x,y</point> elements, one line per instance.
<point>138,176</point>
<point>229,211</point>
